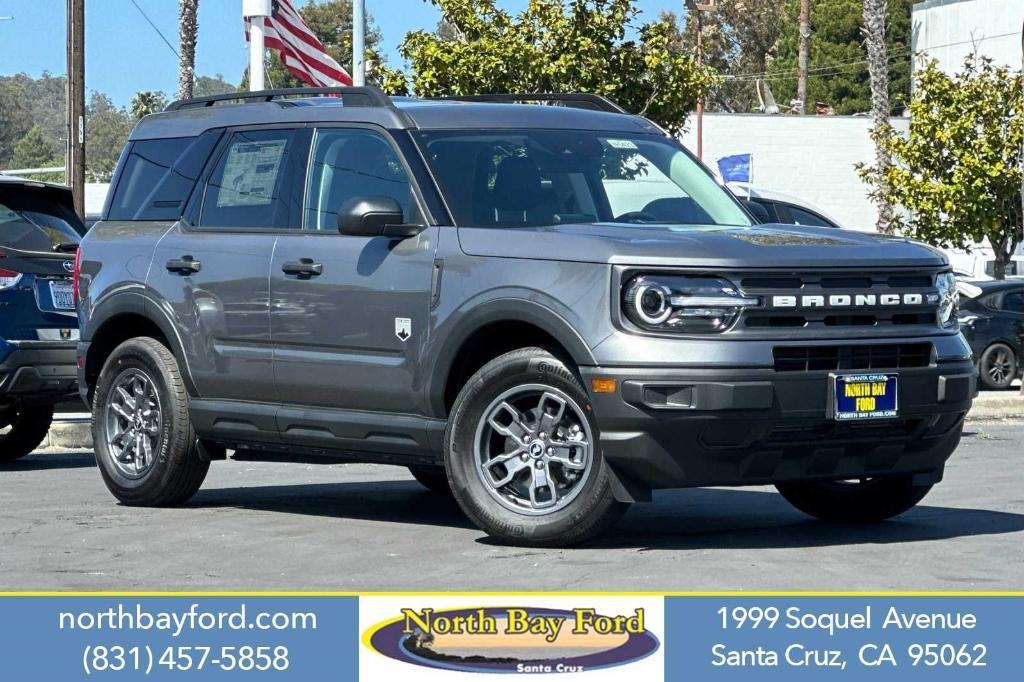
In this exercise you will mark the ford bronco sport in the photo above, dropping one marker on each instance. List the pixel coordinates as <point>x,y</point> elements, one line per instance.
<point>549,308</point>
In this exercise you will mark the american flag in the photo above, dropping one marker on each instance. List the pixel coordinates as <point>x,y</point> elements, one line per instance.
<point>301,51</point>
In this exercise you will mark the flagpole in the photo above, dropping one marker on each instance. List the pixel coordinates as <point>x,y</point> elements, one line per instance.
<point>358,42</point>
<point>256,9</point>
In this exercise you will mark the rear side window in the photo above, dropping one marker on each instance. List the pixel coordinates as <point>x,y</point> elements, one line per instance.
<point>158,176</point>
<point>802,217</point>
<point>250,186</point>
<point>1013,301</point>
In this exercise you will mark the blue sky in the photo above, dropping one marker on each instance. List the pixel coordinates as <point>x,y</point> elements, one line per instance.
<point>124,54</point>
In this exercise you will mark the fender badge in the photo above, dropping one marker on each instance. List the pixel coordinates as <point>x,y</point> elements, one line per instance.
<point>403,328</point>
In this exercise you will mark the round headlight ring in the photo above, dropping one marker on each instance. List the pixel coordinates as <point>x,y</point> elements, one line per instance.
<point>652,295</point>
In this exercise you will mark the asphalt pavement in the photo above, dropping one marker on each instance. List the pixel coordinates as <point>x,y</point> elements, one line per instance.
<point>262,526</point>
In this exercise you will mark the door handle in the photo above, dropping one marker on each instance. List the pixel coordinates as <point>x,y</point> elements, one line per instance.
<point>304,268</point>
<point>186,265</point>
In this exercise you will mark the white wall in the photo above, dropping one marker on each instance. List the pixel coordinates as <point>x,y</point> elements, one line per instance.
<point>950,30</point>
<point>809,157</point>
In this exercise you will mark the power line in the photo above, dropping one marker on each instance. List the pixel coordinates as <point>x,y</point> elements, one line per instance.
<point>776,75</point>
<point>150,22</point>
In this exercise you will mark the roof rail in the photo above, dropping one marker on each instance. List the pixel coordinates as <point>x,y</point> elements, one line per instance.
<point>580,100</point>
<point>351,96</point>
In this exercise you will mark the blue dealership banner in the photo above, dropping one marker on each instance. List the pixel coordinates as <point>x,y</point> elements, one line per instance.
<point>67,638</point>
<point>844,638</point>
<point>438,636</point>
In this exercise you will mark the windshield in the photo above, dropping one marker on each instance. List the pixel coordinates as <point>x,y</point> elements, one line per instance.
<point>524,178</point>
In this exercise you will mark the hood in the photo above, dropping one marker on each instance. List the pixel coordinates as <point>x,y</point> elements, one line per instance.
<point>760,246</point>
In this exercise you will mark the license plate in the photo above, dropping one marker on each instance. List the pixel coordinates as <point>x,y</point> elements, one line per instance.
<point>63,295</point>
<point>864,396</point>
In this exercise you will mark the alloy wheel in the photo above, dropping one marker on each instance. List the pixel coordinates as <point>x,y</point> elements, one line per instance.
<point>534,449</point>
<point>133,422</point>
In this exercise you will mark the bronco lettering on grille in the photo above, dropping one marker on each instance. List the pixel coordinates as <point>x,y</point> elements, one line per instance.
<point>851,300</point>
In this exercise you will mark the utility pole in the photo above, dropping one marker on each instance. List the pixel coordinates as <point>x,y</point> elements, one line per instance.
<point>358,42</point>
<point>804,53</point>
<point>75,161</point>
<point>256,10</point>
<point>699,7</point>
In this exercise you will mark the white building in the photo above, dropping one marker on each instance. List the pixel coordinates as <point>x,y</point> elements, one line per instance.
<point>813,158</point>
<point>951,30</point>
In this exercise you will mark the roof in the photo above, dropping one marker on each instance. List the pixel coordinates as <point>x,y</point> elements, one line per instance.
<point>404,113</point>
<point>28,182</point>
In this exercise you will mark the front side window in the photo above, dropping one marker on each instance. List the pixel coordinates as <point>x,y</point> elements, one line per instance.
<point>1013,301</point>
<point>802,217</point>
<point>350,163</point>
<point>523,178</point>
<point>250,186</point>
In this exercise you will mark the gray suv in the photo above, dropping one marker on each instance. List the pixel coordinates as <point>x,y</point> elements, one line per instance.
<point>546,308</point>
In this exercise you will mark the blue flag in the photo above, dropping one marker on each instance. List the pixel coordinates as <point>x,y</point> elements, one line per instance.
<point>736,168</point>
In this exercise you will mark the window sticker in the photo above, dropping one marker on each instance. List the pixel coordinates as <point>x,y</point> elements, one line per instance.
<point>622,144</point>
<point>250,173</point>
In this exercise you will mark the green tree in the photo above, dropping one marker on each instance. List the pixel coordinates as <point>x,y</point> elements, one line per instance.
<point>557,46</point>
<point>958,171</point>
<point>15,117</point>
<point>33,151</point>
<point>331,21</point>
<point>106,132</point>
<point>212,85</point>
<point>739,38</point>
<point>838,72</point>
<point>147,102</point>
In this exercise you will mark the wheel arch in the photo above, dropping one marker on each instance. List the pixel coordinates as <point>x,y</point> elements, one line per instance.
<point>495,328</point>
<point>119,319</point>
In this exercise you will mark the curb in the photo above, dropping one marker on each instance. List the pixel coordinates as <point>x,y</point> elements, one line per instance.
<point>75,433</point>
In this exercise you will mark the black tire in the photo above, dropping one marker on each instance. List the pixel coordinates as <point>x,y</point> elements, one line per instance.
<point>177,470</point>
<point>589,513</point>
<point>997,367</point>
<point>871,500</point>
<point>29,426</point>
<point>433,478</point>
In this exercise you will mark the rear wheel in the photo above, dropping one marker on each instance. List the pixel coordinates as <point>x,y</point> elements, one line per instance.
<point>998,367</point>
<point>143,438</point>
<point>855,501</point>
<point>434,479</point>
<point>22,429</point>
<point>522,453</point>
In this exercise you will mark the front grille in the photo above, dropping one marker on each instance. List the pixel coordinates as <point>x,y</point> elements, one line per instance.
<point>791,434</point>
<point>832,358</point>
<point>831,318</point>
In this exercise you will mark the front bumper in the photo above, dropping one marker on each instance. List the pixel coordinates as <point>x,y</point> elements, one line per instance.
<point>41,371</point>
<point>671,428</point>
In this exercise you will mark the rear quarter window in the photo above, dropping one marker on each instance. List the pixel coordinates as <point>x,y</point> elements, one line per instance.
<point>158,176</point>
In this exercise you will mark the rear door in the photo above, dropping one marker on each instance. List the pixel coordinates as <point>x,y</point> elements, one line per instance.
<point>39,233</point>
<point>213,269</point>
<point>348,330</point>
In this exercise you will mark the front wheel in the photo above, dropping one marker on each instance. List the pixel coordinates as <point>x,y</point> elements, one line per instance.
<point>522,453</point>
<point>855,501</point>
<point>144,442</point>
<point>22,429</point>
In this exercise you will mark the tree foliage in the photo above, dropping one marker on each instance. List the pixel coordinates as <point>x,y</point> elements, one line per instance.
<point>739,38</point>
<point>556,46</point>
<point>838,73</point>
<point>146,102</point>
<point>958,171</point>
<point>33,151</point>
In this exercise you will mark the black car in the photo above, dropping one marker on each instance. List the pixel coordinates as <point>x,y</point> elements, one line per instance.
<point>992,320</point>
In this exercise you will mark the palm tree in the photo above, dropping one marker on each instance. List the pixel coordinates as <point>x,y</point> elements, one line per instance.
<point>875,12</point>
<point>188,29</point>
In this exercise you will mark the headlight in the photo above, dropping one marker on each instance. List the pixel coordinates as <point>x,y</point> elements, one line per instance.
<point>683,304</point>
<point>948,310</point>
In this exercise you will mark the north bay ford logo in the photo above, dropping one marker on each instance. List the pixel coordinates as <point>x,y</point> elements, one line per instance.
<point>853,300</point>
<point>513,639</point>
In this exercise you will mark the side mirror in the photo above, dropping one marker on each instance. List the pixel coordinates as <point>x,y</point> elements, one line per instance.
<point>375,217</point>
<point>757,210</point>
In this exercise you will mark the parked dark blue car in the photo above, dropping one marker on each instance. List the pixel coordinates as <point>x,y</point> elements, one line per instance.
<point>39,235</point>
